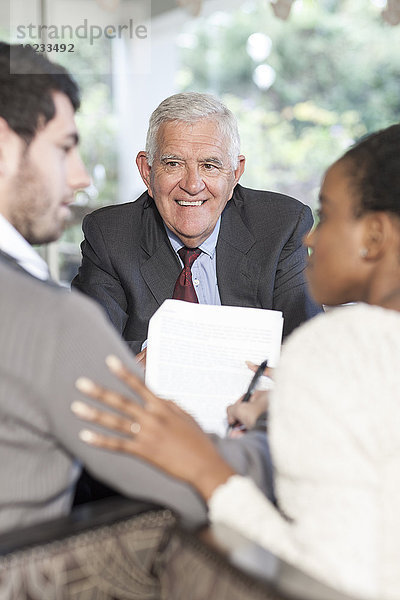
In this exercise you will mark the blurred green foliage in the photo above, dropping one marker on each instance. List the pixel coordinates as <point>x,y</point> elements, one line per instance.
<point>337,67</point>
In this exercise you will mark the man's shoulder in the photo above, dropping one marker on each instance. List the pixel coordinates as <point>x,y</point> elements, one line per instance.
<point>13,277</point>
<point>247,199</point>
<point>266,213</point>
<point>120,212</point>
<point>26,294</point>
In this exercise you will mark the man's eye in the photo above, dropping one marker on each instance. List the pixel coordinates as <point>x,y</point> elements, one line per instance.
<point>209,166</point>
<point>172,163</point>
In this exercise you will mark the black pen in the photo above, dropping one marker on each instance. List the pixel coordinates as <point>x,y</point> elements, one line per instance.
<point>254,381</point>
<point>252,387</point>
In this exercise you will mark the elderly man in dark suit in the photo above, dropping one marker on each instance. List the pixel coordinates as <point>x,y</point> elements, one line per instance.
<point>247,243</point>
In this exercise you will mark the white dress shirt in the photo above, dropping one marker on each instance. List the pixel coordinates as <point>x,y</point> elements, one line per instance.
<point>12,243</point>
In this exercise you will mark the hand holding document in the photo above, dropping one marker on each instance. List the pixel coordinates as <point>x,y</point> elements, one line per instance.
<point>196,355</point>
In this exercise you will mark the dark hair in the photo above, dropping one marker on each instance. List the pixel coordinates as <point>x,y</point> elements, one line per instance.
<point>375,171</point>
<point>26,82</point>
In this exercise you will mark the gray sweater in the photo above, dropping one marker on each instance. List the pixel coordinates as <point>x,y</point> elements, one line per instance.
<point>48,338</point>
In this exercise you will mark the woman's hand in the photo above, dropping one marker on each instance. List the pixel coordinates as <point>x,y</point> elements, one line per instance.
<point>268,371</point>
<point>159,431</point>
<point>243,415</point>
<point>247,413</point>
<point>141,358</point>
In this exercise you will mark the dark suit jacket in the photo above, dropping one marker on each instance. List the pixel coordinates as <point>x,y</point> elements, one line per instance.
<point>130,268</point>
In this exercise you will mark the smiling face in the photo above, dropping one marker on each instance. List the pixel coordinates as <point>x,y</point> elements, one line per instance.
<point>336,270</point>
<point>41,178</point>
<point>191,178</point>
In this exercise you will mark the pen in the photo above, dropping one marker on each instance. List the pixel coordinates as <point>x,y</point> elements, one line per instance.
<point>254,381</point>
<point>250,390</point>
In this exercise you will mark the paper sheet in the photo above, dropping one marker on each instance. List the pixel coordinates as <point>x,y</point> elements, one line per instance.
<point>196,355</point>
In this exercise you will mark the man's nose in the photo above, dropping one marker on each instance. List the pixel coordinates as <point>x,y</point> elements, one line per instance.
<point>78,177</point>
<point>192,182</point>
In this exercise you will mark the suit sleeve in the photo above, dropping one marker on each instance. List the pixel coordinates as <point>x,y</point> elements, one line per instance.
<point>291,294</point>
<point>98,278</point>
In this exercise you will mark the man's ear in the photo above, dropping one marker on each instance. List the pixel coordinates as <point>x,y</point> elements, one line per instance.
<point>11,146</point>
<point>4,136</point>
<point>240,167</point>
<point>144,170</point>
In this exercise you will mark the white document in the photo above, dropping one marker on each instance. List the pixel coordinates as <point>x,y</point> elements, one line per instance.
<point>196,355</point>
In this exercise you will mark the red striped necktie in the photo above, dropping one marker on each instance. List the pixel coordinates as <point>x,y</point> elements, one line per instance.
<point>184,288</point>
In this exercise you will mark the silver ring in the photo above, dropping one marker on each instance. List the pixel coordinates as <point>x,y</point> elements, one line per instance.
<point>135,428</point>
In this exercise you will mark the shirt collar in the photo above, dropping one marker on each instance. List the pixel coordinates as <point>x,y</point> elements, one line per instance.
<point>12,242</point>
<point>208,246</point>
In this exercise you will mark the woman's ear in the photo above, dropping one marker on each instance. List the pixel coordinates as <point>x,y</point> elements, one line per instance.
<point>378,234</point>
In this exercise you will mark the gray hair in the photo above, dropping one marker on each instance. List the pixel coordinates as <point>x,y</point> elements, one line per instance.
<point>189,107</point>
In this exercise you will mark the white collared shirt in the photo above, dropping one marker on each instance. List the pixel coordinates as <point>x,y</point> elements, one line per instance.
<point>12,242</point>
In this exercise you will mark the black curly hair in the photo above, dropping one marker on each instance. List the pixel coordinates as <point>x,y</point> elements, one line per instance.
<point>374,167</point>
<point>26,82</point>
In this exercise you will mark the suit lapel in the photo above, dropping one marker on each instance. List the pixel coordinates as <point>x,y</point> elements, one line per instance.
<point>238,276</point>
<point>161,269</point>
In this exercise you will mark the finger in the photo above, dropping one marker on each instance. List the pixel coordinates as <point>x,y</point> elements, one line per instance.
<point>141,358</point>
<point>105,419</point>
<point>268,371</point>
<point>231,411</point>
<point>124,445</point>
<point>110,398</point>
<point>119,444</point>
<point>141,355</point>
<point>134,382</point>
<point>237,432</point>
<point>109,442</point>
<point>232,415</point>
<point>252,366</point>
